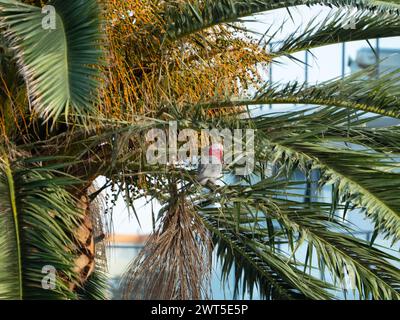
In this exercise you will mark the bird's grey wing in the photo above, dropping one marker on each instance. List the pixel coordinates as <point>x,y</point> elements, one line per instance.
<point>201,169</point>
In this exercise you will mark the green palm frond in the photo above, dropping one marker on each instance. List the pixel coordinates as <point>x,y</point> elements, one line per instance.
<point>59,65</point>
<point>196,16</point>
<point>246,252</point>
<point>304,224</point>
<point>95,287</point>
<point>331,124</point>
<point>374,277</point>
<point>330,30</point>
<point>37,220</point>
<point>367,174</point>
<point>357,91</point>
<point>370,185</point>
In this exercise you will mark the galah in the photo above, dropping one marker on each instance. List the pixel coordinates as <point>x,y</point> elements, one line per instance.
<point>211,171</point>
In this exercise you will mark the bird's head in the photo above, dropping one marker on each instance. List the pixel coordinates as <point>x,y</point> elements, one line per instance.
<point>217,151</point>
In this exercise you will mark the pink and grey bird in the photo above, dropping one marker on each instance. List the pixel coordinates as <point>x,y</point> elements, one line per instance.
<point>211,170</point>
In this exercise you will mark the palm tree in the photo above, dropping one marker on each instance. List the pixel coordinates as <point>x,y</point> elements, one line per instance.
<point>87,92</point>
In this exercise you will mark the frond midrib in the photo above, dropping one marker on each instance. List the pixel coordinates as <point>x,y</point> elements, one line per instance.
<point>13,203</point>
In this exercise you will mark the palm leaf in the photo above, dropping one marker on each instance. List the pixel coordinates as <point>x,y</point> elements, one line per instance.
<point>369,24</point>
<point>256,265</point>
<point>196,16</point>
<point>59,65</point>
<point>367,175</point>
<point>312,224</point>
<point>357,91</point>
<point>37,220</point>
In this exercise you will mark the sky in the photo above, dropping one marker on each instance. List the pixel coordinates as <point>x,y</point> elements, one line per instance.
<point>327,65</point>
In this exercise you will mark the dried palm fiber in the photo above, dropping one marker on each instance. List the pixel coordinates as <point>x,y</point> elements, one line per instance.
<point>89,238</point>
<point>100,229</point>
<point>13,99</point>
<point>175,262</point>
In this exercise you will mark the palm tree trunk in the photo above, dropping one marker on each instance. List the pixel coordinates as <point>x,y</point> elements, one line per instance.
<point>85,252</point>
<point>90,252</point>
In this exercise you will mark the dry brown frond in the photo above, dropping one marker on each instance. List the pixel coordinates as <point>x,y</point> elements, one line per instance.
<point>176,260</point>
<point>101,229</point>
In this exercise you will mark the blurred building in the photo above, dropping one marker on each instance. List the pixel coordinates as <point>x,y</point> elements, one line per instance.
<point>389,60</point>
<point>366,57</point>
<point>121,251</point>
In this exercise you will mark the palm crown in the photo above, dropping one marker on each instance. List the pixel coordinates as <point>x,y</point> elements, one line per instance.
<point>85,95</point>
